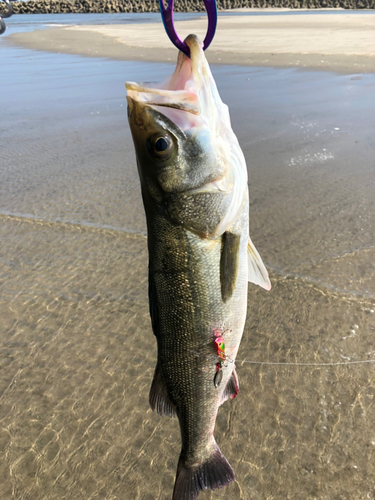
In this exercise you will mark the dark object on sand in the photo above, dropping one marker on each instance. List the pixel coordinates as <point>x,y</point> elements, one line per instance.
<point>8,13</point>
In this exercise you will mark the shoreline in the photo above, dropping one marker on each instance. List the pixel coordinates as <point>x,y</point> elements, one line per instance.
<point>345,44</point>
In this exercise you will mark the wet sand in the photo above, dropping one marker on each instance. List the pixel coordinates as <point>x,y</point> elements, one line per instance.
<point>344,42</point>
<point>77,351</point>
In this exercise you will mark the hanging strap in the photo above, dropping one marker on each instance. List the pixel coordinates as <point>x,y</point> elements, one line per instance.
<point>167,17</point>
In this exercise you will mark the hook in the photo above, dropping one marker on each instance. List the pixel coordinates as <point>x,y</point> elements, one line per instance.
<point>5,14</point>
<point>167,17</point>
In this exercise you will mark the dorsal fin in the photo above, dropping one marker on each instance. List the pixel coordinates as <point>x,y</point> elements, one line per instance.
<point>159,398</point>
<point>257,272</point>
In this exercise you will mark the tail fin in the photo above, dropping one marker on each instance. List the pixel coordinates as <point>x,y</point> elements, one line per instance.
<point>211,474</point>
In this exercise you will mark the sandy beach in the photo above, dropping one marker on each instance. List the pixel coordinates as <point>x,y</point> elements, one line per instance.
<point>77,352</point>
<point>343,43</point>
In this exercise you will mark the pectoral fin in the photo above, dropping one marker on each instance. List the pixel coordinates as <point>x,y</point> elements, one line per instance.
<point>159,399</point>
<point>257,273</point>
<point>229,264</point>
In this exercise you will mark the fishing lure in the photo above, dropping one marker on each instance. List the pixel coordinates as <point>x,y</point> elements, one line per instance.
<point>223,358</point>
<point>220,348</point>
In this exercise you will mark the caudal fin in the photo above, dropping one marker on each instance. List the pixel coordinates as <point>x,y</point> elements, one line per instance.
<point>211,474</point>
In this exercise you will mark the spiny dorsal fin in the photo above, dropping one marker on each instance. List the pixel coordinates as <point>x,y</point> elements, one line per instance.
<point>257,273</point>
<point>229,262</point>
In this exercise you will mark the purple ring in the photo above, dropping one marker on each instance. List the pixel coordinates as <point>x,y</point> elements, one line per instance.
<point>167,17</point>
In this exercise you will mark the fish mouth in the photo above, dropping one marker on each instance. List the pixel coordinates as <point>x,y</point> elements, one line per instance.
<point>180,93</point>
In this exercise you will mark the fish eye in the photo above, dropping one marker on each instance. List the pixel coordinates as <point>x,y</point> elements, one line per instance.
<point>160,146</point>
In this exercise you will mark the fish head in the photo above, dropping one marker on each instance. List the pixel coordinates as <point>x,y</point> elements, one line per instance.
<point>187,154</point>
<point>168,157</point>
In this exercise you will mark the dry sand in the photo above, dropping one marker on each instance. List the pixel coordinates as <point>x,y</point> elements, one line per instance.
<point>341,42</point>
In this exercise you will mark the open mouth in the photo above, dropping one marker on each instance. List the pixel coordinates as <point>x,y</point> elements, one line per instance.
<point>180,93</point>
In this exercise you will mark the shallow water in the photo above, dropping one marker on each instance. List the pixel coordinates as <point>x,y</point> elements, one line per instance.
<point>77,352</point>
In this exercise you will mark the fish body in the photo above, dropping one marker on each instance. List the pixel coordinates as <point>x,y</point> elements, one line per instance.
<point>194,187</point>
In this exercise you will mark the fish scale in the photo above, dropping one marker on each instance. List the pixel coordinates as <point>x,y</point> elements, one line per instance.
<point>187,280</point>
<point>194,187</point>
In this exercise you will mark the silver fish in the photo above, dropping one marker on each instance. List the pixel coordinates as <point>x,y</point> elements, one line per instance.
<point>194,187</point>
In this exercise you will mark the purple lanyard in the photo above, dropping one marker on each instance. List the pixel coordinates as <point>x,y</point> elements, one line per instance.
<point>167,16</point>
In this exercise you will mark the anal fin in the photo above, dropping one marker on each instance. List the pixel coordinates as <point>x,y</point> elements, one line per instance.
<point>232,388</point>
<point>159,399</point>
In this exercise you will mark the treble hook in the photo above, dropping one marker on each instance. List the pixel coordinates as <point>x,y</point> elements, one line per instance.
<point>167,17</point>
<point>5,14</point>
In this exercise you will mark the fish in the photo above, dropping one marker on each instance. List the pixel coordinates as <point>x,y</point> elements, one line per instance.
<point>194,186</point>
